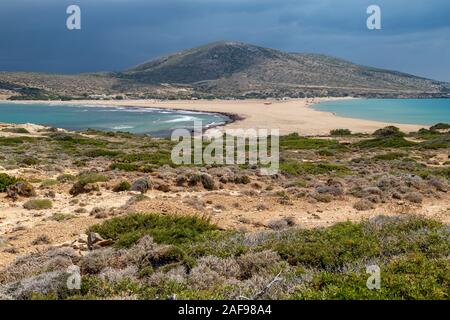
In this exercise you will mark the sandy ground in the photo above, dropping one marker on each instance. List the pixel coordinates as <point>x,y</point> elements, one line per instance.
<point>287,116</point>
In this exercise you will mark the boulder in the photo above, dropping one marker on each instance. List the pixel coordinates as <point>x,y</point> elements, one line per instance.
<point>79,188</point>
<point>23,189</point>
<point>142,185</point>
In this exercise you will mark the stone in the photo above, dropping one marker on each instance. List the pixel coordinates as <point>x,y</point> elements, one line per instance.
<point>79,188</point>
<point>142,185</point>
<point>23,189</point>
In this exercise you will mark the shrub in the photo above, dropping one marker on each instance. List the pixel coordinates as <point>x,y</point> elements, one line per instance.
<point>87,178</point>
<point>390,156</point>
<point>49,182</point>
<point>61,217</point>
<point>66,178</point>
<point>95,153</point>
<point>207,181</point>
<point>170,229</point>
<point>389,131</point>
<point>38,204</point>
<point>122,186</point>
<point>6,181</point>
<point>294,141</point>
<point>414,197</point>
<point>298,168</point>
<point>325,248</point>
<point>440,126</point>
<point>10,141</point>
<point>340,132</point>
<point>42,239</point>
<point>440,142</point>
<point>16,130</point>
<point>129,167</point>
<point>30,161</point>
<point>363,205</point>
<point>411,277</point>
<point>242,179</point>
<point>389,142</point>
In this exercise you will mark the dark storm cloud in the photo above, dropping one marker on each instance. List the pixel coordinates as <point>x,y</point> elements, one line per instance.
<point>117,34</point>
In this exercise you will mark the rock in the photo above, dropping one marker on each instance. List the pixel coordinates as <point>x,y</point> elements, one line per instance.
<point>23,189</point>
<point>50,194</point>
<point>95,241</point>
<point>99,213</point>
<point>83,238</point>
<point>77,245</point>
<point>142,185</point>
<point>163,187</point>
<point>79,188</point>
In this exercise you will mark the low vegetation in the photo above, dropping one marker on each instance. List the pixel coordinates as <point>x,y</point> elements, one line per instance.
<point>163,229</point>
<point>129,254</point>
<point>38,204</point>
<point>6,181</point>
<point>196,261</point>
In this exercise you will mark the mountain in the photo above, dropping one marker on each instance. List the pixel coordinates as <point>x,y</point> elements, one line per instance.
<point>230,69</point>
<point>238,68</point>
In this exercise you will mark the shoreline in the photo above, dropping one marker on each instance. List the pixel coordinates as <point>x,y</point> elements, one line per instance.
<point>290,116</point>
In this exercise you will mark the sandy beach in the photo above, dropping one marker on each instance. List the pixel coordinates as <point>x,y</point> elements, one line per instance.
<point>290,116</point>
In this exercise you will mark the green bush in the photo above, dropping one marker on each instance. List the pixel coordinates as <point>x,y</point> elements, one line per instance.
<point>130,167</point>
<point>300,168</point>
<point>6,181</point>
<point>66,178</point>
<point>390,156</point>
<point>95,153</point>
<point>340,132</point>
<point>389,142</point>
<point>38,204</point>
<point>440,142</point>
<point>16,130</point>
<point>407,278</point>
<point>170,229</point>
<point>440,126</point>
<point>87,178</point>
<point>389,131</point>
<point>325,248</point>
<point>295,142</point>
<point>122,186</point>
<point>10,141</point>
<point>30,161</point>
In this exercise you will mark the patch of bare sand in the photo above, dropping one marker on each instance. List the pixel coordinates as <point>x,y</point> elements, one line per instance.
<point>236,210</point>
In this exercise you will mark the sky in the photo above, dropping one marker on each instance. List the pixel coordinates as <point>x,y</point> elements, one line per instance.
<point>118,34</point>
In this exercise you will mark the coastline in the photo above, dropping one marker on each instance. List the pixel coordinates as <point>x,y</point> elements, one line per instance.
<point>290,116</point>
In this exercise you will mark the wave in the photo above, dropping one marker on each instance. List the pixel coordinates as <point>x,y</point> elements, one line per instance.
<point>123,127</point>
<point>182,119</point>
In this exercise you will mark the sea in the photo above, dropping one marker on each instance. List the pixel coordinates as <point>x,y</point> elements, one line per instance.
<point>425,112</point>
<point>79,117</point>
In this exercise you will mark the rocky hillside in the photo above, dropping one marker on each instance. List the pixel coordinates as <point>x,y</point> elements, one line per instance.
<point>229,69</point>
<point>236,68</point>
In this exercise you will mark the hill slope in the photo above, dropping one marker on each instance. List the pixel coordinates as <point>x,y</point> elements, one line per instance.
<point>233,67</point>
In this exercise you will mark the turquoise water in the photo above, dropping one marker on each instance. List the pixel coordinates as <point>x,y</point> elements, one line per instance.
<point>107,118</point>
<point>410,111</point>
